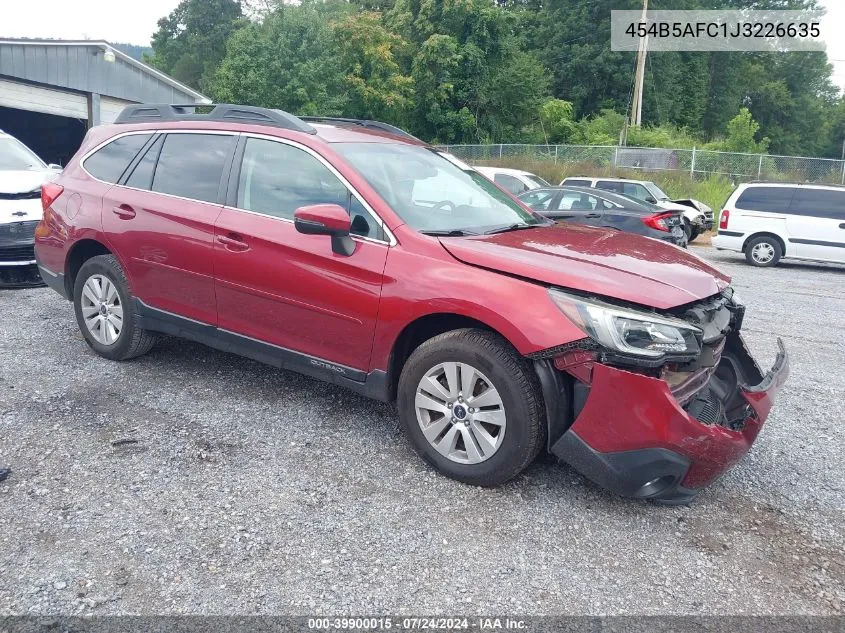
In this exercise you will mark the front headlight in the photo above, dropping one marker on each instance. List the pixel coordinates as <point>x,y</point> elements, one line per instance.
<point>628,331</point>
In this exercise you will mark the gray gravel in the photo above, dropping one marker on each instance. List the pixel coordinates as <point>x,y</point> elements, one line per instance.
<point>191,481</point>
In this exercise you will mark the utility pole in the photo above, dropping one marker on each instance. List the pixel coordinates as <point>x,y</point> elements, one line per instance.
<point>642,51</point>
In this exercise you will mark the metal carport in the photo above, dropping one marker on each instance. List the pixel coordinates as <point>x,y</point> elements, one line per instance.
<point>52,91</point>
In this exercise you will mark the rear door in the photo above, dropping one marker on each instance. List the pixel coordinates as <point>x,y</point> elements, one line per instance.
<point>276,286</point>
<point>160,221</point>
<point>816,224</point>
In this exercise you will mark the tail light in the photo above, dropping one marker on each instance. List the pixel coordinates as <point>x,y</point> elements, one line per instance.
<point>658,221</point>
<point>49,192</point>
<point>723,219</point>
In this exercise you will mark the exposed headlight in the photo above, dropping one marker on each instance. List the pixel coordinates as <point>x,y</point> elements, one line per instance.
<point>628,331</point>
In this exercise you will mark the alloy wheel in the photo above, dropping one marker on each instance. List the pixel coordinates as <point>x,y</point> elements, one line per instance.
<point>460,413</point>
<point>102,310</point>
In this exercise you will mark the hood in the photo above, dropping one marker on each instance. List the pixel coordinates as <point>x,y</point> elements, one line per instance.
<point>598,261</point>
<point>21,181</point>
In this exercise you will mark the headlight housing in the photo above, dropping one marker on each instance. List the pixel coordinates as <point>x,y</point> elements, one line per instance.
<point>628,331</point>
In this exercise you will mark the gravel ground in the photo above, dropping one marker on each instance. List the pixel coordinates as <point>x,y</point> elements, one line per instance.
<point>243,489</point>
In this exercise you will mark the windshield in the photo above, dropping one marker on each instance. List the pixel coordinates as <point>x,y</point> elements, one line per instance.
<point>656,191</point>
<point>431,193</point>
<point>15,155</point>
<point>536,181</point>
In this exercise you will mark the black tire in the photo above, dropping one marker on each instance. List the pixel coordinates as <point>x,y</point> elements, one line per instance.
<point>751,256</point>
<point>694,233</point>
<point>688,230</point>
<point>518,386</point>
<point>132,341</point>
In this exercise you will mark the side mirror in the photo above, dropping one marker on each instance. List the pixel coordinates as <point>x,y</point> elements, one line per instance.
<point>326,219</point>
<point>651,199</point>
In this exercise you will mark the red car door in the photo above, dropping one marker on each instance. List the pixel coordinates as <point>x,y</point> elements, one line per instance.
<point>161,222</point>
<point>286,289</point>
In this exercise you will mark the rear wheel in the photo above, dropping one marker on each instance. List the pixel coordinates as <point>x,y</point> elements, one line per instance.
<point>472,407</point>
<point>105,311</point>
<point>763,251</point>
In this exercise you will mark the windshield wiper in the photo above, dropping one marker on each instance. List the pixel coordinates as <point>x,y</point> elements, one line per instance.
<point>511,227</point>
<point>449,233</point>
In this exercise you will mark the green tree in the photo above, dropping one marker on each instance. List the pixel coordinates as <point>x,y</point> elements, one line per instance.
<point>742,132</point>
<point>376,84</point>
<point>190,42</point>
<point>289,61</point>
<point>556,121</point>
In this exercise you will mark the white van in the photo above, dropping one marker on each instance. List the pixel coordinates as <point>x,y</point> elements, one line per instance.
<point>768,221</point>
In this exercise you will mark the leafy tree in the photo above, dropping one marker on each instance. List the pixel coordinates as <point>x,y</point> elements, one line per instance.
<point>556,121</point>
<point>288,61</point>
<point>377,87</point>
<point>190,42</point>
<point>742,130</point>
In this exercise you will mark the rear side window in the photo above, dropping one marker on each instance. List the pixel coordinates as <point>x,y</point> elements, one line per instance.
<point>514,185</point>
<point>577,183</point>
<point>773,199</point>
<point>820,203</point>
<point>142,175</point>
<point>109,162</point>
<point>610,185</point>
<point>190,165</point>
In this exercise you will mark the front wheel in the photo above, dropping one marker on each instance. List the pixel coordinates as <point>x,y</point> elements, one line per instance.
<point>471,406</point>
<point>105,311</point>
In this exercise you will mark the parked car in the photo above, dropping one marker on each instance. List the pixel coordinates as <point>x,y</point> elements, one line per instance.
<point>599,208</point>
<point>698,217</point>
<point>21,174</point>
<point>498,333</point>
<point>514,180</point>
<point>770,221</point>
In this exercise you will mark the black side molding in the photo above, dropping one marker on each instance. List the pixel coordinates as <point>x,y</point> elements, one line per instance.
<point>373,384</point>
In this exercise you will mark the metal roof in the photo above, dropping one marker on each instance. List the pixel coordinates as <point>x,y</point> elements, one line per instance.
<point>80,65</point>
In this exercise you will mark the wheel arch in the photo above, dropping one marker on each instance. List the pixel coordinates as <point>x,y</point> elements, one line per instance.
<point>79,253</point>
<point>777,237</point>
<point>418,332</point>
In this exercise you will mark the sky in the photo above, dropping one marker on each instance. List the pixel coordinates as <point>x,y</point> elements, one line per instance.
<point>134,21</point>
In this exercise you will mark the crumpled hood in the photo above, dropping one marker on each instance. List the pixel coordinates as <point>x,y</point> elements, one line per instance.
<point>598,261</point>
<point>21,181</point>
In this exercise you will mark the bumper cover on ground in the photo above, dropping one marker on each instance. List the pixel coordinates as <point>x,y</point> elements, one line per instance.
<point>633,437</point>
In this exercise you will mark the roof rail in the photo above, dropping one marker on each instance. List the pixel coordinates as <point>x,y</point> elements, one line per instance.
<point>223,112</point>
<point>365,123</point>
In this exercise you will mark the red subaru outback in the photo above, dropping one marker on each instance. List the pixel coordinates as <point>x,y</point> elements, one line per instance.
<point>352,252</point>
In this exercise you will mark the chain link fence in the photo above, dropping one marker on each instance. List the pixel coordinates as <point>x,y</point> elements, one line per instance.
<point>695,162</point>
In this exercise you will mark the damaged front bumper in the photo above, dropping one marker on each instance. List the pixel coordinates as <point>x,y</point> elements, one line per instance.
<point>632,435</point>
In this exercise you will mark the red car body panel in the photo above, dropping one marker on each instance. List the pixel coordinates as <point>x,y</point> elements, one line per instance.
<point>165,244</point>
<point>256,277</point>
<point>658,421</point>
<point>291,290</point>
<point>593,260</point>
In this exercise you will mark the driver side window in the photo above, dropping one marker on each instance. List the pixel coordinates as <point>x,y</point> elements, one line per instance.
<point>276,179</point>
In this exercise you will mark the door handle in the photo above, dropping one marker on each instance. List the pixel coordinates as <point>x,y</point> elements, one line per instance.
<point>842,226</point>
<point>233,242</point>
<point>124,211</point>
<point>593,215</point>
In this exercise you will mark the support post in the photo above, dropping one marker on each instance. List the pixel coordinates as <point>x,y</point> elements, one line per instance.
<point>760,168</point>
<point>692,164</point>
